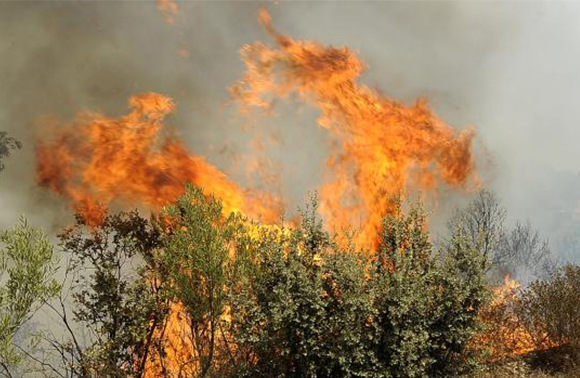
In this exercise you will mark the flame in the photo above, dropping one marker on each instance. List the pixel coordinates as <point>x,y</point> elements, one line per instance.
<point>168,9</point>
<point>177,347</point>
<point>97,160</point>
<point>506,336</point>
<point>383,148</point>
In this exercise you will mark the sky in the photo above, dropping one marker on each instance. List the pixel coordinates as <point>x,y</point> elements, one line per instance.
<point>509,70</point>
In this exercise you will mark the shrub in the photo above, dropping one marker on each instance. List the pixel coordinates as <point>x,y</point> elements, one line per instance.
<point>113,310</point>
<point>303,306</point>
<point>427,304</point>
<point>27,268</point>
<point>550,307</point>
<point>192,268</point>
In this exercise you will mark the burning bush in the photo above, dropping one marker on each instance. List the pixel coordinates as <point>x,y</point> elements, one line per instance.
<point>550,308</point>
<point>504,335</point>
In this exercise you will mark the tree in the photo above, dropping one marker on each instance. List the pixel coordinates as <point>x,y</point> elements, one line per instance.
<point>115,307</point>
<point>517,251</point>
<point>524,252</point>
<point>7,144</point>
<point>27,266</point>
<point>196,242</point>
<point>427,303</point>
<point>301,306</point>
<point>482,224</point>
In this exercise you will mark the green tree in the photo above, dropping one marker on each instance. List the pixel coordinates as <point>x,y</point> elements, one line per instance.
<point>27,266</point>
<point>196,241</point>
<point>427,303</point>
<point>115,307</point>
<point>301,305</point>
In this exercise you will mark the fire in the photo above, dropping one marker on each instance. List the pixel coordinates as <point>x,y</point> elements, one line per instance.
<point>168,9</point>
<point>506,336</point>
<point>383,147</point>
<point>96,161</point>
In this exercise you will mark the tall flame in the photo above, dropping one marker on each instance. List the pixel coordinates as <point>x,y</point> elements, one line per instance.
<point>383,146</point>
<point>97,160</point>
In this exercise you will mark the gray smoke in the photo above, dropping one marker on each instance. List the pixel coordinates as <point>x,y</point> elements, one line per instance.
<point>507,69</point>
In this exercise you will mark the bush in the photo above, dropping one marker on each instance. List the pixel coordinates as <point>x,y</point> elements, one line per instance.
<point>550,307</point>
<point>427,304</point>
<point>114,307</point>
<point>219,296</point>
<point>27,268</point>
<point>300,305</point>
<point>303,306</point>
<point>193,270</point>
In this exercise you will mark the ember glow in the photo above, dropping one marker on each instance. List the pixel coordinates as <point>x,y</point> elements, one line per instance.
<point>168,9</point>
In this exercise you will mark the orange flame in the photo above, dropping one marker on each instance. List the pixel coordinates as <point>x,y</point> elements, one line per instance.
<point>168,9</point>
<point>506,336</point>
<point>383,146</point>
<point>97,160</point>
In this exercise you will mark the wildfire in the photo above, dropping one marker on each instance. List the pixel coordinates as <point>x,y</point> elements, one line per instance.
<point>506,336</point>
<point>96,161</point>
<point>384,147</point>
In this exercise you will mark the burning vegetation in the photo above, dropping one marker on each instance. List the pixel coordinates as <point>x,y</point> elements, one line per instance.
<point>96,161</point>
<point>385,148</point>
<point>214,284</point>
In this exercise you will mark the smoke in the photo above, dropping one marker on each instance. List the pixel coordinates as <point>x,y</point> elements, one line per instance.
<point>509,70</point>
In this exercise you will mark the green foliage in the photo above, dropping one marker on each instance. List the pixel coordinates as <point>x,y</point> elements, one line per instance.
<point>115,298</point>
<point>303,306</point>
<point>267,301</point>
<point>193,265</point>
<point>427,305</point>
<point>27,266</point>
<point>550,307</point>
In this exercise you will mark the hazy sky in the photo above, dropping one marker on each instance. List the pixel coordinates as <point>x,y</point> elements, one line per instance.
<point>510,70</point>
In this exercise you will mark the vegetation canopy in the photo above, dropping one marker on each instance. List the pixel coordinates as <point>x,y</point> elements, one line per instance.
<point>198,292</point>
